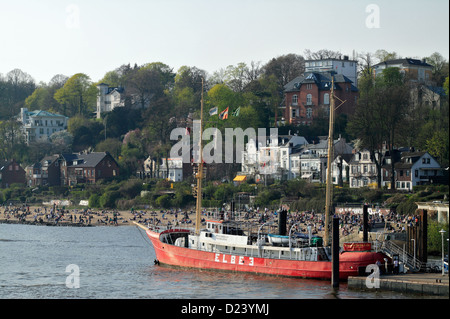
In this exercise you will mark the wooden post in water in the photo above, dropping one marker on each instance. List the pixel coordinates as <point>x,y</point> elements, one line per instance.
<point>335,253</point>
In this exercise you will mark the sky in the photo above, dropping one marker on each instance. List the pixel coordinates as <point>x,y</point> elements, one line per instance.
<point>48,37</point>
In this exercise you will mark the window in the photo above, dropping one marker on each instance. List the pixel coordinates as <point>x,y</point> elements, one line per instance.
<point>309,86</point>
<point>326,98</point>
<point>295,99</point>
<point>309,99</point>
<point>309,112</point>
<point>294,113</point>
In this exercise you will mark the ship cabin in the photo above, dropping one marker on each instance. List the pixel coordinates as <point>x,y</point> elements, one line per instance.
<point>223,227</point>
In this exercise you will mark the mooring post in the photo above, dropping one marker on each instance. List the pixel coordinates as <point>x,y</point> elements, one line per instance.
<point>365,223</point>
<point>335,253</point>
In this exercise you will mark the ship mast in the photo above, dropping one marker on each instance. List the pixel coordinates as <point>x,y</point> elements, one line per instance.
<point>329,189</point>
<point>199,176</point>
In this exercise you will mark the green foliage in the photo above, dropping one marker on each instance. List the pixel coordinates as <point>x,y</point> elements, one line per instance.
<point>94,201</point>
<point>108,199</point>
<point>78,96</point>
<point>164,201</point>
<point>130,188</point>
<point>435,238</point>
<point>85,132</point>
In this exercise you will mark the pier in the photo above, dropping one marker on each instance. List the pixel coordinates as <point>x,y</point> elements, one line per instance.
<point>433,284</point>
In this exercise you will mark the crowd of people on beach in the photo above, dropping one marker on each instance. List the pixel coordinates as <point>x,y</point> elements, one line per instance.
<point>54,215</point>
<point>302,221</point>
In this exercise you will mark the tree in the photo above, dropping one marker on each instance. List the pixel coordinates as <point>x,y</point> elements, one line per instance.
<point>78,96</point>
<point>12,140</point>
<point>85,132</point>
<point>43,97</point>
<point>380,110</point>
<point>438,145</point>
<point>446,86</point>
<point>62,141</point>
<point>285,68</point>
<point>111,145</point>
<point>15,87</point>
<point>322,54</point>
<point>187,89</point>
<point>146,84</point>
<point>383,55</point>
<point>391,98</point>
<point>365,64</point>
<point>440,68</point>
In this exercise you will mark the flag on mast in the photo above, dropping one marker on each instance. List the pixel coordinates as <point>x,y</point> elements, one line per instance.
<point>224,114</point>
<point>236,112</point>
<point>213,111</point>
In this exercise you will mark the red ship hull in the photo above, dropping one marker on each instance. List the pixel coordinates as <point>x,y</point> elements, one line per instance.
<point>350,262</point>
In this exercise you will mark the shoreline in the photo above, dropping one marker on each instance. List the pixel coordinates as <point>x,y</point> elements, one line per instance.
<point>47,216</point>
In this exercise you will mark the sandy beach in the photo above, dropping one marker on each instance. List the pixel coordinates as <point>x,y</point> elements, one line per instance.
<point>85,217</point>
<point>45,215</point>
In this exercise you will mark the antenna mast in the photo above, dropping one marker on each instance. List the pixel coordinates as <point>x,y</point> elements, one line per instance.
<point>198,210</point>
<point>329,189</point>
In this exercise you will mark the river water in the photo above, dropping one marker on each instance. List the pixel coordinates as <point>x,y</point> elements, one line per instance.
<point>117,262</point>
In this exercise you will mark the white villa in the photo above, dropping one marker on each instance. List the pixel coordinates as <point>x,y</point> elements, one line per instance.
<point>108,98</point>
<point>40,125</point>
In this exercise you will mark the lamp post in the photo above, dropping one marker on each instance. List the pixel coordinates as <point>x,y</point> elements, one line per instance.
<point>442,265</point>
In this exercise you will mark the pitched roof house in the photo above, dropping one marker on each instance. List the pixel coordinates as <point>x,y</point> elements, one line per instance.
<point>414,168</point>
<point>87,167</point>
<point>46,172</point>
<point>416,70</point>
<point>11,173</point>
<point>307,96</point>
<point>363,171</point>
